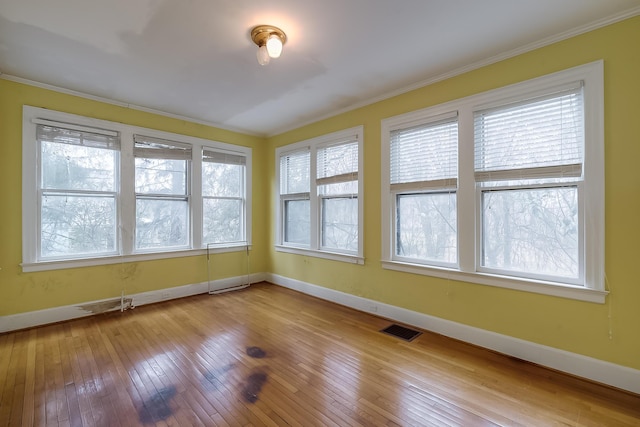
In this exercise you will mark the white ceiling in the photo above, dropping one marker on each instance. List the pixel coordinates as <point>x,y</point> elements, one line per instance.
<point>194,58</point>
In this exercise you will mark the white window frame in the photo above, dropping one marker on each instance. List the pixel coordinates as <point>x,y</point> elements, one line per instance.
<point>315,200</point>
<point>298,196</point>
<point>126,193</point>
<point>244,203</point>
<point>592,289</point>
<point>184,197</point>
<point>439,186</point>
<point>113,193</point>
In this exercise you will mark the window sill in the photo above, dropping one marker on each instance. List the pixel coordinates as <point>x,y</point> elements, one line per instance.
<point>334,256</point>
<point>540,287</point>
<point>119,259</point>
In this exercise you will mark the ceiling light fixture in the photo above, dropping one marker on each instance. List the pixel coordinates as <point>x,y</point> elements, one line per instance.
<point>269,40</point>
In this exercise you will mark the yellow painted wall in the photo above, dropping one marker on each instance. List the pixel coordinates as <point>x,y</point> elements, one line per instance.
<point>609,331</point>
<point>24,292</point>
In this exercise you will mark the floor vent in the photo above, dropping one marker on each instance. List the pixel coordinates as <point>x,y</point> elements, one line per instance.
<point>401,332</point>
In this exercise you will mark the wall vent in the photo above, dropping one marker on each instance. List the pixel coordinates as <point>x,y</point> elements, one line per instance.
<point>401,332</point>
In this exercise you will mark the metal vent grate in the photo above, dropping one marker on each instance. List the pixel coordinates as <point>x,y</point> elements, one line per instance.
<point>401,332</point>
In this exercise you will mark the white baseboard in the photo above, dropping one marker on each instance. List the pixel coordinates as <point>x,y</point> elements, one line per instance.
<point>600,371</point>
<point>582,366</point>
<point>59,314</point>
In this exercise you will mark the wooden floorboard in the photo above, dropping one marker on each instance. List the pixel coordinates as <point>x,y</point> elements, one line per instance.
<point>269,356</point>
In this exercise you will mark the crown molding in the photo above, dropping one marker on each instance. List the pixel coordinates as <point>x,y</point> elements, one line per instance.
<point>122,104</point>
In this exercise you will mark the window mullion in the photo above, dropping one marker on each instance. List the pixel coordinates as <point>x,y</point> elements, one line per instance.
<point>127,199</point>
<point>195,198</point>
<point>314,201</point>
<point>466,198</point>
<point>360,196</point>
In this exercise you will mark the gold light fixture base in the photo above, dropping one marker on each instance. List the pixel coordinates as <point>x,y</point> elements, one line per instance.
<point>261,34</point>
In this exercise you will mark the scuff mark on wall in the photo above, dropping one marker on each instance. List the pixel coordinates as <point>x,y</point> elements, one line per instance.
<point>127,271</point>
<point>48,284</point>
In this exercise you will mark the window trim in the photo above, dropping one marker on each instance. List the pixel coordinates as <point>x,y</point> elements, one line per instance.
<point>126,192</point>
<point>315,248</point>
<point>592,74</point>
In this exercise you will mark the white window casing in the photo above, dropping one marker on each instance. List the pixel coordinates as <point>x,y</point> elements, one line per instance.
<point>319,197</point>
<point>539,141</point>
<point>128,143</point>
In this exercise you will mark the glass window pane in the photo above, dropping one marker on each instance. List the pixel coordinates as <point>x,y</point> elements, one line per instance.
<point>77,225</point>
<point>222,180</point>
<point>340,223</point>
<point>296,222</point>
<point>426,227</point>
<point>295,173</point>
<point>161,176</point>
<point>531,231</point>
<point>222,220</point>
<point>349,187</point>
<point>541,132</point>
<point>161,223</point>
<point>337,159</point>
<point>76,167</point>
<point>424,153</point>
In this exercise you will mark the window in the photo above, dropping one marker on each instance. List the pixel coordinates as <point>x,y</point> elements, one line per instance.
<point>528,167</point>
<point>223,189</point>
<point>320,203</point>
<point>424,194</point>
<point>503,188</point>
<point>97,191</point>
<point>294,193</point>
<point>77,187</point>
<point>337,184</point>
<point>162,193</point>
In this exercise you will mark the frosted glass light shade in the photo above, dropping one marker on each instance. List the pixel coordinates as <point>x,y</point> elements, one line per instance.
<point>269,40</point>
<point>263,55</point>
<point>274,46</point>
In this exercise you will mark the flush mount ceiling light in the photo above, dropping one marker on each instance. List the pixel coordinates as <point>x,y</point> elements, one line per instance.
<point>269,40</point>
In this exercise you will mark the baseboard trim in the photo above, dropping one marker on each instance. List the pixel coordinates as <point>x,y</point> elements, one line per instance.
<point>60,314</point>
<point>600,371</point>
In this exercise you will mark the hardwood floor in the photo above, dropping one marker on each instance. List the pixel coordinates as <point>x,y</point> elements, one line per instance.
<point>271,356</point>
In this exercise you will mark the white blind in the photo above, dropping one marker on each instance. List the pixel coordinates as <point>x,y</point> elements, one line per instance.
<point>337,163</point>
<point>425,156</point>
<point>157,148</point>
<point>85,137</point>
<point>295,172</point>
<point>222,157</point>
<point>538,138</point>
